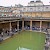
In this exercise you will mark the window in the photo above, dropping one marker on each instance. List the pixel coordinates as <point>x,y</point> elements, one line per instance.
<point>47,7</point>
<point>24,9</point>
<point>39,9</point>
<point>31,9</point>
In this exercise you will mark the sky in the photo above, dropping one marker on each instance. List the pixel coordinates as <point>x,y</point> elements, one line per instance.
<point>22,2</point>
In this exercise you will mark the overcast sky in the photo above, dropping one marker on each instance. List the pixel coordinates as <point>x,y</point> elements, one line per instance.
<point>23,2</point>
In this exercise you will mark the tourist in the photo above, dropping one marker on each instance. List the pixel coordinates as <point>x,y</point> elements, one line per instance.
<point>2,34</point>
<point>1,39</point>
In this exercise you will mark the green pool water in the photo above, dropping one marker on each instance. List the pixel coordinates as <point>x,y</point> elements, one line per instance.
<point>26,40</point>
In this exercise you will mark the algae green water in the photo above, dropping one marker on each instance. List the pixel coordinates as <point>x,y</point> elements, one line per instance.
<point>26,39</point>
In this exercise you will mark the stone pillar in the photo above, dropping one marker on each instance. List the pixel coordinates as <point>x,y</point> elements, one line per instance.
<point>23,25</point>
<point>40,26</point>
<point>10,27</point>
<point>18,25</point>
<point>30,25</point>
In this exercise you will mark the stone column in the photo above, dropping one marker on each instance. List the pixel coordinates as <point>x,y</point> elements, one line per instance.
<point>10,27</point>
<point>40,26</point>
<point>30,25</point>
<point>23,25</point>
<point>18,25</point>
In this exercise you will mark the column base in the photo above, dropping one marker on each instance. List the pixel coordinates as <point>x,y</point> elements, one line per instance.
<point>30,30</point>
<point>30,25</point>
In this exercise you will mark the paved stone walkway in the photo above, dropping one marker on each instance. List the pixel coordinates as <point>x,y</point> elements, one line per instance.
<point>6,37</point>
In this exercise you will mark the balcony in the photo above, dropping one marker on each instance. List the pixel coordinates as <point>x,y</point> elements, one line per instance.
<point>37,18</point>
<point>16,17</point>
<point>9,18</point>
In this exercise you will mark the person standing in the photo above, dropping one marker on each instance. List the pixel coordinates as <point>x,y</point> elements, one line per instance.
<point>2,34</point>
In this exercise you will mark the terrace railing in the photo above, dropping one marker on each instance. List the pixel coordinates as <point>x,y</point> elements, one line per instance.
<point>36,18</point>
<point>10,17</point>
<point>41,18</point>
<point>25,17</point>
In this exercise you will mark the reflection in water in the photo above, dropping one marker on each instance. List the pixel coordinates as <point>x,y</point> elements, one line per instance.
<point>22,48</point>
